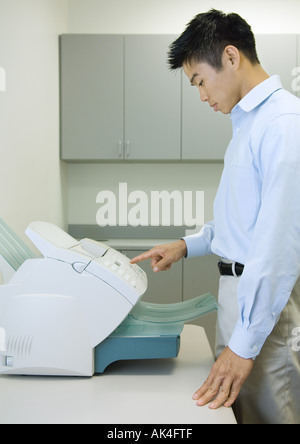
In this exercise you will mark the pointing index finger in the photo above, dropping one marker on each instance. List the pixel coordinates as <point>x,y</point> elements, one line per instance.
<point>142,257</point>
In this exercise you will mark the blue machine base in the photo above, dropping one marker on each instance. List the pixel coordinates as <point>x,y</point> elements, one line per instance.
<point>116,348</point>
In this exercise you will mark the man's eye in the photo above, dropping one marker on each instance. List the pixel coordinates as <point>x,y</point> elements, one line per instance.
<point>201,83</point>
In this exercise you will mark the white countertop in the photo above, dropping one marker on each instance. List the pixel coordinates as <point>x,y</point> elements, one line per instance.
<point>129,392</point>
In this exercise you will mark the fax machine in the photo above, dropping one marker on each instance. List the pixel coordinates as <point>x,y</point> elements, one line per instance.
<point>78,308</point>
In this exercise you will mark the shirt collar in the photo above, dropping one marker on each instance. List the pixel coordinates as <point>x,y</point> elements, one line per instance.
<point>260,93</point>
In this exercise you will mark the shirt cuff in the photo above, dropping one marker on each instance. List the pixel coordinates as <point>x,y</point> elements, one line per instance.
<point>196,246</point>
<point>245,343</point>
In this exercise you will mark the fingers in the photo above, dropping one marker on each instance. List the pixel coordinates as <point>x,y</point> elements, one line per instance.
<point>224,381</point>
<point>235,389</point>
<point>208,390</point>
<point>163,256</point>
<point>142,257</point>
<point>158,261</point>
<point>161,263</point>
<point>220,393</point>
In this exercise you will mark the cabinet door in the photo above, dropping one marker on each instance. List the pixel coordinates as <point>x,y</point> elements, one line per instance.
<point>163,287</point>
<point>152,99</point>
<point>91,96</point>
<point>278,55</point>
<point>205,134</point>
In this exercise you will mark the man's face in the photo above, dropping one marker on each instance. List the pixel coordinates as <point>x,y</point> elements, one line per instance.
<point>219,88</point>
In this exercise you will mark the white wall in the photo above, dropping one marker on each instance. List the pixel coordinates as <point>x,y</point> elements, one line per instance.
<point>32,179</point>
<point>86,181</point>
<point>171,16</point>
<point>31,175</point>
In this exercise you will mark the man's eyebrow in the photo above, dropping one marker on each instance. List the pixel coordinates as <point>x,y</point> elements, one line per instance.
<point>193,78</point>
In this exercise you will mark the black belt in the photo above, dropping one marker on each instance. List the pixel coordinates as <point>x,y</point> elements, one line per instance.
<point>233,269</point>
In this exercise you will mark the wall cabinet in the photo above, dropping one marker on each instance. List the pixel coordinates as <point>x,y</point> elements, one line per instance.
<point>92,97</point>
<point>152,100</point>
<point>120,102</point>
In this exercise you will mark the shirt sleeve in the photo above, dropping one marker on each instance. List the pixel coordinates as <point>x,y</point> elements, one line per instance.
<point>199,244</point>
<point>272,265</point>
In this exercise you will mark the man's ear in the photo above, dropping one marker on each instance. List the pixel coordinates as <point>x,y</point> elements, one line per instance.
<point>232,56</point>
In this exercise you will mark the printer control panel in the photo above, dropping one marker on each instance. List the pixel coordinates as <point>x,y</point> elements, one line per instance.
<point>119,265</point>
<point>114,268</point>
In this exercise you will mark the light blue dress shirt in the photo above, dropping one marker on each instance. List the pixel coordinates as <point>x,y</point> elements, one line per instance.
<point>257,210</point>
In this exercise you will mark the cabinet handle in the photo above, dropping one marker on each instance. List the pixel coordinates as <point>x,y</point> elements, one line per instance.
<point>120,150</point>
<point>127,152</point>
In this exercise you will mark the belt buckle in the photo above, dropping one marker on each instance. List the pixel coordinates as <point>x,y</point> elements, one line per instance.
<point>220,263</point>
<point>230,269</point>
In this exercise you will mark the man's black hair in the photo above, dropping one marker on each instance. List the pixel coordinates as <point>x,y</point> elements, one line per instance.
<point>206,37</point>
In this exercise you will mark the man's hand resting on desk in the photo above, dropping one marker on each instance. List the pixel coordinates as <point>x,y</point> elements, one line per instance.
<point>225,380</point>
<point>163,256</point>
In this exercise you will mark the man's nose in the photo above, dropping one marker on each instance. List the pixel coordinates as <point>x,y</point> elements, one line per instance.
<point>203,95</point>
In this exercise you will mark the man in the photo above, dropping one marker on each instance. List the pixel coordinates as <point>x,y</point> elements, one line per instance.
<point>256,227</point>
